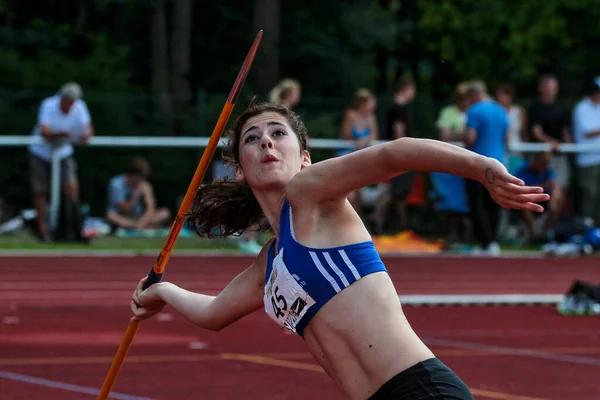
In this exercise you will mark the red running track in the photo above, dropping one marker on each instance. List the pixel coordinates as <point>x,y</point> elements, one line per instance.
<point>63,318</point>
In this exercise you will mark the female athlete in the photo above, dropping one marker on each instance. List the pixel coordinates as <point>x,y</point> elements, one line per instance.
<point>320,277</point>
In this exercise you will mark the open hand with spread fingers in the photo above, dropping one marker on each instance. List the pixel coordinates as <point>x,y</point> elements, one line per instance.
<point>146,303</point>
<point>509,191</point>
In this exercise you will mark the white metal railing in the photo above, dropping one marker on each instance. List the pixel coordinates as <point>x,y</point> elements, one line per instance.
<point>143,141</point>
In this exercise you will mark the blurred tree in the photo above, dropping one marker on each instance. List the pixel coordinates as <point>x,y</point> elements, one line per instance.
<point>160,65</point>
<point>515,41</point>
<point>331,47</point>
<point>180,61</point>
<point>266,64</point>
<point>141,64</point>
<point>334,48</point>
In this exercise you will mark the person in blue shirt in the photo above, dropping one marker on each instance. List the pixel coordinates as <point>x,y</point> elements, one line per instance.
<point>539,173</point>
<point>320,277</point>
<point>486,134</point>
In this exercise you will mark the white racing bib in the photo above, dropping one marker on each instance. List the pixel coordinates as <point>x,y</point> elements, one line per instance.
<point>285,299</point>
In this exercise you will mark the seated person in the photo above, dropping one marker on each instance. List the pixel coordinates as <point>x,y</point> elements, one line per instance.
<point>131,203</point>
<point>537,172</point>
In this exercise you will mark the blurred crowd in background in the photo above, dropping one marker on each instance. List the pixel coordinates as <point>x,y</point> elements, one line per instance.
<point>484,120</point>
<point>487,75</point>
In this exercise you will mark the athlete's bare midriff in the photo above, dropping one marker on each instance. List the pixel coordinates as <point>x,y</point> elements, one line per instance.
<point>362,339</point>
<point>361,336</point>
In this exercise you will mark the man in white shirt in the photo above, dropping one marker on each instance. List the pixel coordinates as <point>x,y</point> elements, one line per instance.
<point>62,119</point>
<point>586,130</point>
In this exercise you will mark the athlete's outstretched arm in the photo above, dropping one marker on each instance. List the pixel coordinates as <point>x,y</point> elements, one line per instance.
<point>242,296</point>
<point>331,180</point>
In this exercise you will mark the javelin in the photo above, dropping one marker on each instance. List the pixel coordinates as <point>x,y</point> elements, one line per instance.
<point>156,273</point>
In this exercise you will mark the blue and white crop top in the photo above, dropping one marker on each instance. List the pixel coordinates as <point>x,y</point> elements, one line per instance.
<point>300,280</point>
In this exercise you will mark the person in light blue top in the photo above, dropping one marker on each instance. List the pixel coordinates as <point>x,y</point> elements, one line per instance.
<point>360,122</point>
<point>486,134</point>
<point>360,126</point>
<point>538,172</point>
<point>131,201</point>
<point>320,277</point>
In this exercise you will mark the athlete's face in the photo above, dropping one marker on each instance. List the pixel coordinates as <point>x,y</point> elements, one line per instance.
<point>269,152</point>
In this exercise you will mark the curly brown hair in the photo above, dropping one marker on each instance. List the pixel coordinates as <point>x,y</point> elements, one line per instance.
<point>227,206</point>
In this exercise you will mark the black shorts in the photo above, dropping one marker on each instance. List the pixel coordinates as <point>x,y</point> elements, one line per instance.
<point>40,173</point>
<point>430,379</point>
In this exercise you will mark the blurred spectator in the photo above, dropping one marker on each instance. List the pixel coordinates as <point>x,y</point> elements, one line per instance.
<point>359,125</point>
<point>131,202</point>
<point>539,173</point>
<point>397,126</point>
<point>486,133</point>
<point>452,118</point>
<point>449,190</point>
<point>586,130</point>
<point>517,132</point>
<point>288,92</point>
<point>62,119</point>
<point>549,123</point>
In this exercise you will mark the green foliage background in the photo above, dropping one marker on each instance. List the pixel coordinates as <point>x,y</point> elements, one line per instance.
<point>332,48</point>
